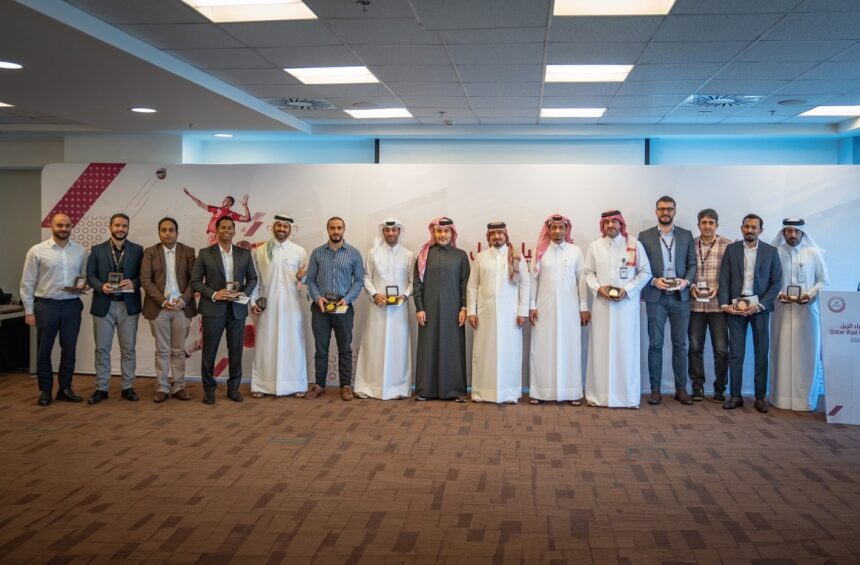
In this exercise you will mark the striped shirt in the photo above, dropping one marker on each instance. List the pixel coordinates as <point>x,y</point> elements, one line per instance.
<point>338,272</point>
<point>708,259</point>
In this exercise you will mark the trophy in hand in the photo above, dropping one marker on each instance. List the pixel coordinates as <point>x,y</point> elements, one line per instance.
<point>392,295</point>
<point>114,279</point>
<point>704,291</point>
<point>79,286</point>
<point>793,293</point>
<point>670,280</point>
<point>261,303</point>
<point>331,302</point>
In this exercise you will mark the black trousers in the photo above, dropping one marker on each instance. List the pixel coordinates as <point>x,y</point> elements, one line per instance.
<point>760,324</point>
<point>322,326</point>
<point>53,318</point>
<point>213,327</point>
<point>716,322</point>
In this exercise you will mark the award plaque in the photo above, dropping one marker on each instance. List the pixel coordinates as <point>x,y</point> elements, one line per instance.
<point>793,293</point>
<point>745,303</point>
<point>113,281</point>
<point>331,304</point>
<point>261,303</point>
<point>392,295</point>
<point>704,291</point>
<point>80,285</point>
<point>670,280</point>
<point>232,286</point>
<point>613,292</point>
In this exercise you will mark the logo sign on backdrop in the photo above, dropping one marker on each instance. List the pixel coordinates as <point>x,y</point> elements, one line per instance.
<point>840,348</point>
<point>521,195</point>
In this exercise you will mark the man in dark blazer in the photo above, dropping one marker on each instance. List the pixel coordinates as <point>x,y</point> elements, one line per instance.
<point>750,279</point>
<point>221,307</point>
<point>673,264</point>
<point>169,305</point>
<point>115,306</point>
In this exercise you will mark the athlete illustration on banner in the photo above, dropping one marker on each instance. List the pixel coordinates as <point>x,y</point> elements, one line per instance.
<point>220,212</point>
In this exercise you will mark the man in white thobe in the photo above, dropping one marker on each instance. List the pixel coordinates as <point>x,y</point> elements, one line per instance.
<point>795,331</point>
<point>280,365</point>
<point>385,357</point>
<point>558,308</point>
<point>497,305</point>
<point>616,269</point>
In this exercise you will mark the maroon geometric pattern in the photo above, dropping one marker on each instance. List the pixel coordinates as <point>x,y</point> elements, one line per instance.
<point>83,193</point>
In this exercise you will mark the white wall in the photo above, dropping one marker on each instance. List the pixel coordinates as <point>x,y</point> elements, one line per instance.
<point>762,151</point>
<point>109,148</point>
<point>230,151</point>
<point>579,152</point>
<point>29,154</point>
<point>21,198</point>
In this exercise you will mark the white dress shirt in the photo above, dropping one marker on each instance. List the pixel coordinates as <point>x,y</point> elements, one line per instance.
<point>750,254</point>
<point>48,268</point>
<point>171,286</point>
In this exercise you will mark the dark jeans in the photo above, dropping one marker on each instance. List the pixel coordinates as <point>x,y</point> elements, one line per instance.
<point>213,327</point>
<point>322,326</point>
<point>716,322</point>
<point>55,317</point>
<point>677,312</point>
<point>760,324</point>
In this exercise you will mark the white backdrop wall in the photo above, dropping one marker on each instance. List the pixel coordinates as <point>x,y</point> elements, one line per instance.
<point>522,195</point>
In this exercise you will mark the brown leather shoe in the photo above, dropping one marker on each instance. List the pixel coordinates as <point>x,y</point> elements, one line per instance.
<point>682,397</point>
<point>159,396</point>
<point>733,402</point>
<point>182,394</point>
<point>761,405</point>
<point>656,397</point>
<point>315,391</point>
<point>346,393</point>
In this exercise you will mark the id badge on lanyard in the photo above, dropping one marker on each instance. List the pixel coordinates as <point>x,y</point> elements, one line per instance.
<point>623,269</point>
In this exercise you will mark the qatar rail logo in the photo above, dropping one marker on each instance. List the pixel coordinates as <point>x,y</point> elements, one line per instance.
<point>836,304</point>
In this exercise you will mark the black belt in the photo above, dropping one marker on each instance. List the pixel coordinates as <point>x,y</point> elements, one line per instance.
<point>117,298</point>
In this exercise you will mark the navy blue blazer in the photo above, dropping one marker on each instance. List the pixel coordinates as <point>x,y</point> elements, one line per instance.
<point>766,281</point>
<point>207,277</point>
<point>683,254</point>
<point>100,263</point>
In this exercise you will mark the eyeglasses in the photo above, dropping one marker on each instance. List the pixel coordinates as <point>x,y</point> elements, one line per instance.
<point>666,209</point>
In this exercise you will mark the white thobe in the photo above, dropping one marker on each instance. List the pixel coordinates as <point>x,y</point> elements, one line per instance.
<point>613,376</point>
<point>385,358</point>
<point>795,350</point>
<point>497,347</point>
<point>280,364</point>
<point>559,294</point>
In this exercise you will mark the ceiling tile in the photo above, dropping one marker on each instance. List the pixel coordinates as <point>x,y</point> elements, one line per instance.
<point>364,102</point>
<point>387,31</point>
<point>449,112</point>
<point>581,89</point>
<point>575,101</point>
<point>330,9</point>
<point>281,91</point>
<point>607,29</point>
<point>440,102</point>
<point>692,52</point>
<point>767,51</point>
<point>654,100</point>
<point>637,112</point>
<point>508,121</point>
<point>319,114</point>
<point>221,58</point>
<point>820,87</point>
<point>818,26</point>
<point>497,54</point>
<point>833,71</point>
<point>149,12</point>
<point>502,35</point>
<point>674,71</point>
<point>500,73</point>
<point>742,87</point>
<point>351,90</point>
<point>384,55</point>
<point>852,99</point>
<point>181,36</point>
<point>629,120</point>
<point>282,33</point>
<point>594,53</point>
<point>852,54</point>
<point>732,6</point>
<point>315,56</point>
<point>416,73</point>
<point>766,71</point>
<point>456,14</point>
<point>437,121</point>
<point>506,113</point>
<point>659,87</point>
<point>426,88</point>
<point>829,6</point>
<point>483,102</point>
<point>254,76</point>
<point>715,27</point>
<point>502,88</point>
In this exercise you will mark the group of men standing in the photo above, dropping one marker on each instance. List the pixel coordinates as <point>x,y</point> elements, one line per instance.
<point>697,284</point>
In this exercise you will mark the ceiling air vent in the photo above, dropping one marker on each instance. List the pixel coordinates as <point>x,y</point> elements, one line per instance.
<point>301,103</point>
<point>720,100</point>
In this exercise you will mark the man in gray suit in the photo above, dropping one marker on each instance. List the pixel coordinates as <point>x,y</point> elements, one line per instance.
<point>673,263</point>
<point>750,279</point>
<point>223,275</point>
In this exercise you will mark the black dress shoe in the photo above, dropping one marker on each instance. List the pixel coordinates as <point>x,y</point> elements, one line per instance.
<point>208,397</point>
<point>68,395</point>
<point>235,396</point>
<point>733,402</point>
<point>761,405</point>
<point>129,394</point>
<point>97,397</point>
<point>44,398</point>
<point>698,394</point>
<point>719,397</point>
<point>656,397</point>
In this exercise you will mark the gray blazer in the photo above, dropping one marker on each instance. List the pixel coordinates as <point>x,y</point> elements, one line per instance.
<point>766,281</point>
<point>208,277</point>
<point>683,254</point>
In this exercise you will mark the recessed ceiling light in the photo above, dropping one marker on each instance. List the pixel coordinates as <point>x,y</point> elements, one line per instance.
<point>612,7</point>
<point>252,10</point>
<point>10,65</point>
<point>380,113</point>
<point>224,135</point>
<point>571,112</point>
<point>793,102</point>
<point>334,75</point>
<point>587,73</point>
<point>142,110</point>
<point>847,111</point>
<point>4,105</point>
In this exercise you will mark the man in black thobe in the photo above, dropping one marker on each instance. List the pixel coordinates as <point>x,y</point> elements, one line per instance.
<point>441,274</point>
